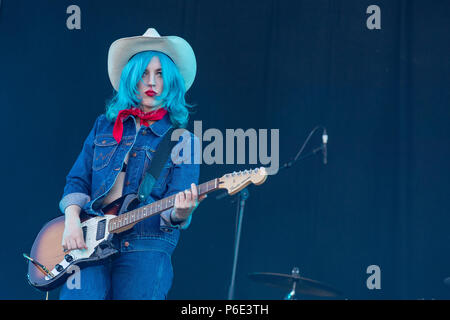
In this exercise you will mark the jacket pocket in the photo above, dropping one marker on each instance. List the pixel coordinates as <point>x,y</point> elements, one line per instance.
<point>104,148</point>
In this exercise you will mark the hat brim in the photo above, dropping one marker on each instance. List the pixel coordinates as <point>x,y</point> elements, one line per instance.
<point>175,47</point>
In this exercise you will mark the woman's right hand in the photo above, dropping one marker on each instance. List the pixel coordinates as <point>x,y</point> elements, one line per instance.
<point>73,234</point>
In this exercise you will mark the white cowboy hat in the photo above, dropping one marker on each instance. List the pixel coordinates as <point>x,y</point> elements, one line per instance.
<point>175,47</point>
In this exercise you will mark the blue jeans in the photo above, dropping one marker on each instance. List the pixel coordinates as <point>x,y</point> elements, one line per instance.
<point>142,271</point>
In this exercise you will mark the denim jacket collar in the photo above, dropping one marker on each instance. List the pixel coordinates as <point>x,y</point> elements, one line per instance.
<point>159,127</point>
<point>162,126</point>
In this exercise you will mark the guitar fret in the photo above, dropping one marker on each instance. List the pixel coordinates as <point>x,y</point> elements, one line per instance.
<point>156,207</point>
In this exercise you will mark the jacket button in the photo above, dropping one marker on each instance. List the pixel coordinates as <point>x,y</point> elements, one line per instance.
<point>144,132</point>
<point>126,244</point>
<point>127,183</point>
<point>134,154</point>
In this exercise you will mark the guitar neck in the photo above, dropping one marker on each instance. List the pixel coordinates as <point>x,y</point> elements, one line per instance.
<point>125,221</point>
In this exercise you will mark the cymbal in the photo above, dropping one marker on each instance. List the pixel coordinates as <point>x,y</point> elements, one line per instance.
<point>303,285</point>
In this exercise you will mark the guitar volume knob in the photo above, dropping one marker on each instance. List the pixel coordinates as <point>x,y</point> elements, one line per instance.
<point>68,258</point>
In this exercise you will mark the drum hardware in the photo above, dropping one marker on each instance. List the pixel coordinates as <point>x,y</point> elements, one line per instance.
<point>295,283</point>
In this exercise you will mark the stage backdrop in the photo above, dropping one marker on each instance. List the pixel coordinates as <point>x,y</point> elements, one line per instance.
<point>382,94</point>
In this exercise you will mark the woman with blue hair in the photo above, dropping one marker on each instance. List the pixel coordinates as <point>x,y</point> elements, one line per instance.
<point>151,75</point>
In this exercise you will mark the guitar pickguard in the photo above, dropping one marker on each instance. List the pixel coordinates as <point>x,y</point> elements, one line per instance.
<point>99,248</point>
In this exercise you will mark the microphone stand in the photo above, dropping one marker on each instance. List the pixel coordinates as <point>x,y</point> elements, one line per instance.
<point>308,155</point>
<point>312,153</point>
<point>242,197</point>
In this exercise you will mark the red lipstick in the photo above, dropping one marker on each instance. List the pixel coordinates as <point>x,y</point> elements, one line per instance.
<point>150,93</point>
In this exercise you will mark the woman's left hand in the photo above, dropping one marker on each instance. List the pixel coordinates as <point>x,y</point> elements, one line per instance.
<point>185,204</point>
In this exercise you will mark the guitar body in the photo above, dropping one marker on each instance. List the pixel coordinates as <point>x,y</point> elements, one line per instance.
<point>49,266</point>
<point>47,249</point>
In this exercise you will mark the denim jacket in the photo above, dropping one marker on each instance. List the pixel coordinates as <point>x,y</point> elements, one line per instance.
<point>101,160</point>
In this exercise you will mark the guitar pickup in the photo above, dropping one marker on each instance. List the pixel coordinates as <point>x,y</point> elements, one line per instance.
<point>101,227</point>
<point>84,232</point>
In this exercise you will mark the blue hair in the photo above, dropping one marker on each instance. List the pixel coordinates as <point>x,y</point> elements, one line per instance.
<point>172,97</point>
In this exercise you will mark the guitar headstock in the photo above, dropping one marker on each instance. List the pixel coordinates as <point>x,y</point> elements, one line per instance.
<point>236,181</point>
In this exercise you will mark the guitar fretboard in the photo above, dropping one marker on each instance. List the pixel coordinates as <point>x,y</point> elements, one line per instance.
<point>131,217</point>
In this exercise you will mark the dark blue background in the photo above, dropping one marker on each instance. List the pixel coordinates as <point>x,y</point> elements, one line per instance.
<point>382,94</point>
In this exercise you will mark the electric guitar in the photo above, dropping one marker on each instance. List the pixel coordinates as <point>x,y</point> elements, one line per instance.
<point>49,265</point>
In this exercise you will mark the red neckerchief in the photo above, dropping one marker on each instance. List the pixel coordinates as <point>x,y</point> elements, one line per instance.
<point>154,115</point>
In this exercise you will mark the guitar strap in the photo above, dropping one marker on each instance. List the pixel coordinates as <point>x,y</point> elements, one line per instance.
<point>160,157</point>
